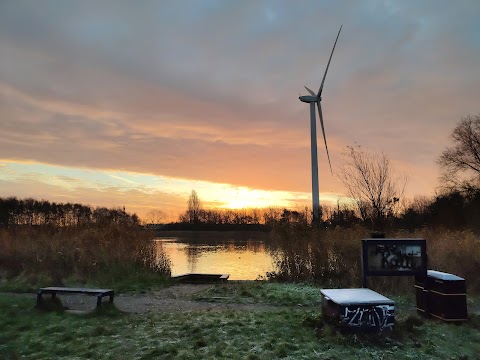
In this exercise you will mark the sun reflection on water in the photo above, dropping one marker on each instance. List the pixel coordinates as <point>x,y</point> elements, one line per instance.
<point>243,260</point>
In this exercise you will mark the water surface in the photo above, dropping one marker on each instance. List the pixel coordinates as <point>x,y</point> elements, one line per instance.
<point>243,256</point>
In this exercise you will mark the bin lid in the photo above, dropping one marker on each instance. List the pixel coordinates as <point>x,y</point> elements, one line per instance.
<point>362,296</point>
<point>443,276</point>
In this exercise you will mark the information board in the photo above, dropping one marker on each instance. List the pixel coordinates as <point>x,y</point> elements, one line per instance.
<point>394,257</point>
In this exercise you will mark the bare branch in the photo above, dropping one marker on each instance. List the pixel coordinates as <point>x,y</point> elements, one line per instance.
<point>460,164</point>
<point>370,181</point>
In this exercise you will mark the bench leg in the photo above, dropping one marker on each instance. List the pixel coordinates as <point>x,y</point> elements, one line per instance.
<point>111,298</point>
<point>39,298</point>
<point>99,300</point>
<point>54,296</point>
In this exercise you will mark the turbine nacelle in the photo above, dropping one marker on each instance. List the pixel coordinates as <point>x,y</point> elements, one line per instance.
<point>309,99</point>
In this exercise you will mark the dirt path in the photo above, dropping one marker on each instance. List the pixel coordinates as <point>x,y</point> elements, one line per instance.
<point>177,298</point>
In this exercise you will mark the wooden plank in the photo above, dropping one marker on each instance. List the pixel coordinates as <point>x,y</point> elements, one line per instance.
<point>201,278</point>
<point>360,296</point>
<point>99,293</point>
<point>75,290</point>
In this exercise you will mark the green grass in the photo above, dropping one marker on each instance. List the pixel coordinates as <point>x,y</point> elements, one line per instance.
<point>290,333</point>
<point>262,292</point>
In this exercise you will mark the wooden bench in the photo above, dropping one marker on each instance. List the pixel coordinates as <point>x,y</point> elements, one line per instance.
<point>99,293</point>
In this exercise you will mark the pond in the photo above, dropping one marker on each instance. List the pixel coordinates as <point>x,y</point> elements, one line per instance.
<point>243,255</point>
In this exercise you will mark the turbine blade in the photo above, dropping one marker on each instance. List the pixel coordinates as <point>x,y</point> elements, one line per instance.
<point>310,91</point>
<point>326,70</point>
<point>323,131</point>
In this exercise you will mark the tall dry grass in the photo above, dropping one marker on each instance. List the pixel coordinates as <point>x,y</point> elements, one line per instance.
<point>456,252</point>
<point>81,252</point>
<point>327,257</point>
<point>332,258</point>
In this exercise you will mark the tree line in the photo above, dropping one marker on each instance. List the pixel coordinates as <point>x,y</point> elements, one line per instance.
<point>17,212</point>
<point>452,210</point>
<point>196,214</point>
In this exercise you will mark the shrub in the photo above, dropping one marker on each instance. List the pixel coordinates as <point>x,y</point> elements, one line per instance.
<point>332,257</point>
<point>79,251</point>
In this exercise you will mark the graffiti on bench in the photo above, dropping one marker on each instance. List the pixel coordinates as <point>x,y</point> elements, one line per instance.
<point>379,317</point>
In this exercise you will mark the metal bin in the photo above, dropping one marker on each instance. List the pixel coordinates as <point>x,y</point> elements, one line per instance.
<point>446,296</point>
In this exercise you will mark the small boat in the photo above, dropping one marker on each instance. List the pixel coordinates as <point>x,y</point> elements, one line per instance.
<point>201,278</point>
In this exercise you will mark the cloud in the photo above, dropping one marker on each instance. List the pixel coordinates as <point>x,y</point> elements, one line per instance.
<point>209,90</point>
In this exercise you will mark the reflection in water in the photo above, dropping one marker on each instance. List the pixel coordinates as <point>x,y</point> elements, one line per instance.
<point>243,259</point>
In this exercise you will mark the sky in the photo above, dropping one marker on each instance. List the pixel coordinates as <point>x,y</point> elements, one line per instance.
<point>137,103</point>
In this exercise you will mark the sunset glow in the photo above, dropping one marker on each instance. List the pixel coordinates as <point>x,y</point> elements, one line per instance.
<point>137,105</point>
<point>248,198</point>
<point>140,193</point>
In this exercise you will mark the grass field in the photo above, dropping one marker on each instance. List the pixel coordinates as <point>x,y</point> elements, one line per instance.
<point>293,330</point>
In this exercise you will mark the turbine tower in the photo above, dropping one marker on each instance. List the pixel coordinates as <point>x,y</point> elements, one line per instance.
<point>313,99</point>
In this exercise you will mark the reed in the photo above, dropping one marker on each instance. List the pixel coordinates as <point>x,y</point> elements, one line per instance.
<point>332,257</point>
<point>454,251</point>
<point>80,252</point>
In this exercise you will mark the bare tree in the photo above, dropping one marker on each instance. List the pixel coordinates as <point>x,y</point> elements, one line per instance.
<point>155,216</point>
<point>372,184</point>
<point>420,204</point>
<point>194,207</point>
<point>460,163</point>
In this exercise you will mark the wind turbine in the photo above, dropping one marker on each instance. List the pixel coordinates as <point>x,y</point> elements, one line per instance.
<point>313,99</point>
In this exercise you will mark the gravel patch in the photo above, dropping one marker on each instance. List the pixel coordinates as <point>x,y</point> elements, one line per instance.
<point>177,298</point>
